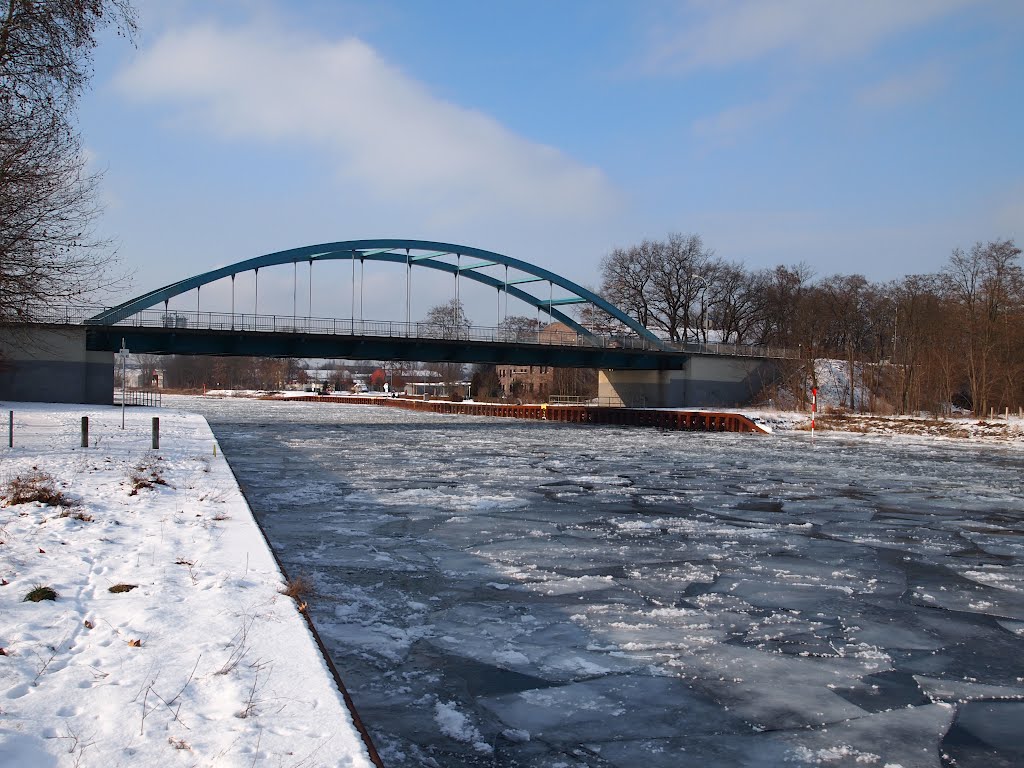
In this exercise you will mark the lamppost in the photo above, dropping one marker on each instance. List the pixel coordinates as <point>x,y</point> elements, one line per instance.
<point>123,354</point>
<point>703,293</point>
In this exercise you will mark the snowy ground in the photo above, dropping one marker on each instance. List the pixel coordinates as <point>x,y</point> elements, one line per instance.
<point>500,592</point>
<point>200,661</point>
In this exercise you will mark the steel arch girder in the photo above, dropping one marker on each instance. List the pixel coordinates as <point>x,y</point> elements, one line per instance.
<point>383,250</point>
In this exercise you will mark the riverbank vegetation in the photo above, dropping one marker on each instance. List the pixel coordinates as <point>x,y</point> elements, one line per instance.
<point>931,342</point>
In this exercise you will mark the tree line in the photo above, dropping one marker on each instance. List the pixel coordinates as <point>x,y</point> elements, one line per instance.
<point>926,342</point>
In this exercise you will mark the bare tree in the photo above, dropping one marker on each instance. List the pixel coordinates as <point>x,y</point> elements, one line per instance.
<point>660,283</point>
<point>846,297</point>
<point>596,320</point>
<point>986,284</point>
<point>626,280</point>
<point>684,270</point>
<point>784,315</point>
<point>924,355</point>
<point>520,328</point>
<point>485,381</point>
<point>47,198</point>
<point>447,321</point>
<point>738,304</point>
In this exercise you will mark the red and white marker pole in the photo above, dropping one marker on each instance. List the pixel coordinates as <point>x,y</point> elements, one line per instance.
<point>814,408</point>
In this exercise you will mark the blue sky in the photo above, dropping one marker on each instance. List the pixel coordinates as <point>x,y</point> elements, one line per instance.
<point>870,136</point>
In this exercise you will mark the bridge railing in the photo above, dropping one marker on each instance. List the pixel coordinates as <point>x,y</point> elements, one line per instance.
<point>260,323</point>
<point>736,350</point>
<point>220,321</point>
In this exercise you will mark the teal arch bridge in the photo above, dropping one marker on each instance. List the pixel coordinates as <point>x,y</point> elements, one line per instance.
<point>146,324</point>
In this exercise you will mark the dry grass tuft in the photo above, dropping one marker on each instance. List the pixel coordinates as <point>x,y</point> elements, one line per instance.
<point>36,486</point>
<point>298,588</point>
<point>76,516</point>
<point>145,475</point>
<point>118,588</point>
<point>40,593</point>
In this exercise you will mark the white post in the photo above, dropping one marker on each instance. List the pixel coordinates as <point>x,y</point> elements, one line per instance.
<point>814,409</point>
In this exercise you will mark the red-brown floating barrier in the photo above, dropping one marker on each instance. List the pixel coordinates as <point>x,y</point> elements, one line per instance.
<point>669,419</point>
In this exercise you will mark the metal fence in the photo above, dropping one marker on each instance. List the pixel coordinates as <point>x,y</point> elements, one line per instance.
<point>638,401</point>
<point>152,398</point>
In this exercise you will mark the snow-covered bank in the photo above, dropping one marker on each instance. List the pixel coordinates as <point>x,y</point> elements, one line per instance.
<point>1000,429</point>
<point>170,641</point>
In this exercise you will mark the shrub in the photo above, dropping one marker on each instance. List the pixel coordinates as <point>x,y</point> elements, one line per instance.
<point>36,486</point>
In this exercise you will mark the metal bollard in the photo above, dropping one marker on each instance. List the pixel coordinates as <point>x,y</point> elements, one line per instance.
<point>85,431</point>
<point>156,433</point>
<point>10,430</point>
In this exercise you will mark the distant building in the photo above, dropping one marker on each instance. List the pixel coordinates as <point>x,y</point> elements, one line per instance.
<point>534,381</point>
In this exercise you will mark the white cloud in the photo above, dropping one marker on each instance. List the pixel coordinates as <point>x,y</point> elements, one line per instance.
<point>381,128</point>
<point>718,34</point>
<point>906,88</point>
<point>729,125</point>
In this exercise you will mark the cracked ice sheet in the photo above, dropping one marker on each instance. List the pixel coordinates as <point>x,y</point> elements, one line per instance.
<point>527,558</point>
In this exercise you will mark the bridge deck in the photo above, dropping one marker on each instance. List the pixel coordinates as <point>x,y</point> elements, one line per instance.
<point>694,421</point>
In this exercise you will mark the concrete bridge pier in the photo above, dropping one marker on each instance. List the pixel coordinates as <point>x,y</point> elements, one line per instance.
<point>705,381</point>
<point>50,364</point>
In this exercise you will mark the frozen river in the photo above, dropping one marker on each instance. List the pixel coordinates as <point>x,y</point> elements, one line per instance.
<point>507,593</point>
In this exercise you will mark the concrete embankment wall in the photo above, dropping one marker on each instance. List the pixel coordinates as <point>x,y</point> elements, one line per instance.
<point>50,364</point>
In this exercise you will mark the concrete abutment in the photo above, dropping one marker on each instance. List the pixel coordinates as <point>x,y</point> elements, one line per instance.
<point>50,364</point>
<point>705,381</point>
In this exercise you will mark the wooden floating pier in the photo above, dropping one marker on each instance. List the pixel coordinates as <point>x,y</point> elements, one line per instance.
<point>694,421</point>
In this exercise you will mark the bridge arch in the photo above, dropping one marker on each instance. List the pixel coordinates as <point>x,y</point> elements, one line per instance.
<point>418,253</point>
